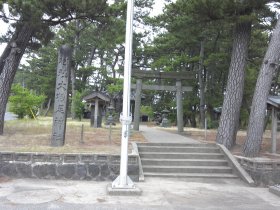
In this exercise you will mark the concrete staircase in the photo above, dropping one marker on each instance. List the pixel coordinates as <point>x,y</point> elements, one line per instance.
<point>184,160</point>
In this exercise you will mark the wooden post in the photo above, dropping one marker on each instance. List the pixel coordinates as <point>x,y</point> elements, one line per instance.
<point>96,112</point>
<point>91,115</point>
<point>82,134</point>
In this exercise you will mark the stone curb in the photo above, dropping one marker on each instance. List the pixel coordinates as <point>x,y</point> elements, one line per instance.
<point>135,152</point>
<point>275,190</point>
<point>236,166</point>
<point>264,171</point>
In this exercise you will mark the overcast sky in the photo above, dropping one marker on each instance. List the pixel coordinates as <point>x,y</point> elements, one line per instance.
<point>157,9</point>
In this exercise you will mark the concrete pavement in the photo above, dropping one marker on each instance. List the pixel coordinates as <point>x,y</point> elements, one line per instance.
<point>158,135</point>
<point>158,193</point>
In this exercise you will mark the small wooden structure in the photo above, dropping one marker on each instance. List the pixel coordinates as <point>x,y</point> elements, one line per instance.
<point>273,104</point>
<point>98,101</point>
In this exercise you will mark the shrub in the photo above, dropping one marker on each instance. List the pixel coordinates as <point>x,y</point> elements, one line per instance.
<point>147,110</point>
<point>23,102</point>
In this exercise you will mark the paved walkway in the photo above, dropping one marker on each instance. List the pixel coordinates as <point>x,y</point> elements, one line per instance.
<point>158,193</point>
<point>158,135</point>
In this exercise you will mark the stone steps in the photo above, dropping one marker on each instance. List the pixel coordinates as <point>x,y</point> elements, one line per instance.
<point>179,149</point>
<point>191,175</point>
<point>184,160</point>
<point>175,145</point>
<point>169,155</point>
<point>187,169</point>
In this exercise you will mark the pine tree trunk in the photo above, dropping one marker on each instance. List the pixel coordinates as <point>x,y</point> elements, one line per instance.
<point>48,107</point>
<point>91,56</point>
<point>73,70</point>
<point>85,76</point>
<point>73,90</point>
<point>201,86</point>
<point>234,91</point>
<point>10,60</point>
<point>253,141</point>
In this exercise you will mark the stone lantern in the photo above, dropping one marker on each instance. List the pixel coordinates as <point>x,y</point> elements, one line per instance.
<point>165,122</point>
<point>157,118</point>
<point>110,118</point>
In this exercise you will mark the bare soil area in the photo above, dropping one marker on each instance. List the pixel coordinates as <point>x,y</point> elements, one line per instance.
<point>199,134</point>
<point>35,135</point>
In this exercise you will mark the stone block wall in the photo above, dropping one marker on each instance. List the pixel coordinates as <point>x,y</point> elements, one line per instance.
<point>265,172</point>
<point>65,166</point>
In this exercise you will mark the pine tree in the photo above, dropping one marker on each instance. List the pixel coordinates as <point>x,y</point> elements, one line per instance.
<point>270,62</point>
<point>33,20</point>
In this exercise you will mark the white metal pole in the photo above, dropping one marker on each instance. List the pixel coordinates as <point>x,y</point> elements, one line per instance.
<point>123,180</point>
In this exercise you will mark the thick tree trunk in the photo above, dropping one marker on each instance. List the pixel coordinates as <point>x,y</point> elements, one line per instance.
<point>114,65</point>
<point>234,91</point>
<point>73,90</point>
<point>85,76</point>
<point>253,141</point>
<point>201,86</point>
<point>48,107</point>
<point>91,56</point>
<point>10,60</point>
<point>73,69</point>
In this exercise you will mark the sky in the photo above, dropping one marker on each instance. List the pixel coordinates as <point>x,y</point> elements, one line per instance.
<point>3,30</point>
<point>157,9</point>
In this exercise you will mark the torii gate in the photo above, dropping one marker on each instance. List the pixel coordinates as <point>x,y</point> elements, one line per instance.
<point>178,76</point>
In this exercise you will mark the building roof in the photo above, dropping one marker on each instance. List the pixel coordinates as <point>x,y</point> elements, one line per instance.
<point>274,101</point>
<point>96,94</point>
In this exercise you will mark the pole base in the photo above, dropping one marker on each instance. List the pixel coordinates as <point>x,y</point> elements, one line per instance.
<point>123,191</point>
<point>130,189</point>
<point>117,183</point>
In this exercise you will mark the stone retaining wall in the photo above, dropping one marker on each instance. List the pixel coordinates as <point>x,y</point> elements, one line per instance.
<point>65,166</point>
<point>265,172</point>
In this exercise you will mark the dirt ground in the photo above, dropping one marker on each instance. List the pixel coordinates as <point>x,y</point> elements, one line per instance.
<point>199,134</point>
<point>35,135</point>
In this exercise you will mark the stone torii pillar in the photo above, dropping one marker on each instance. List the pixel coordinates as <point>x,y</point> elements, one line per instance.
<point>137,105</point>
<point>179,103</point>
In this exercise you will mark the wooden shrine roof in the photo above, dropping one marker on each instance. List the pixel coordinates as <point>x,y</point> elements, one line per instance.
<point>96,94</point>
<point>274,101</point>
